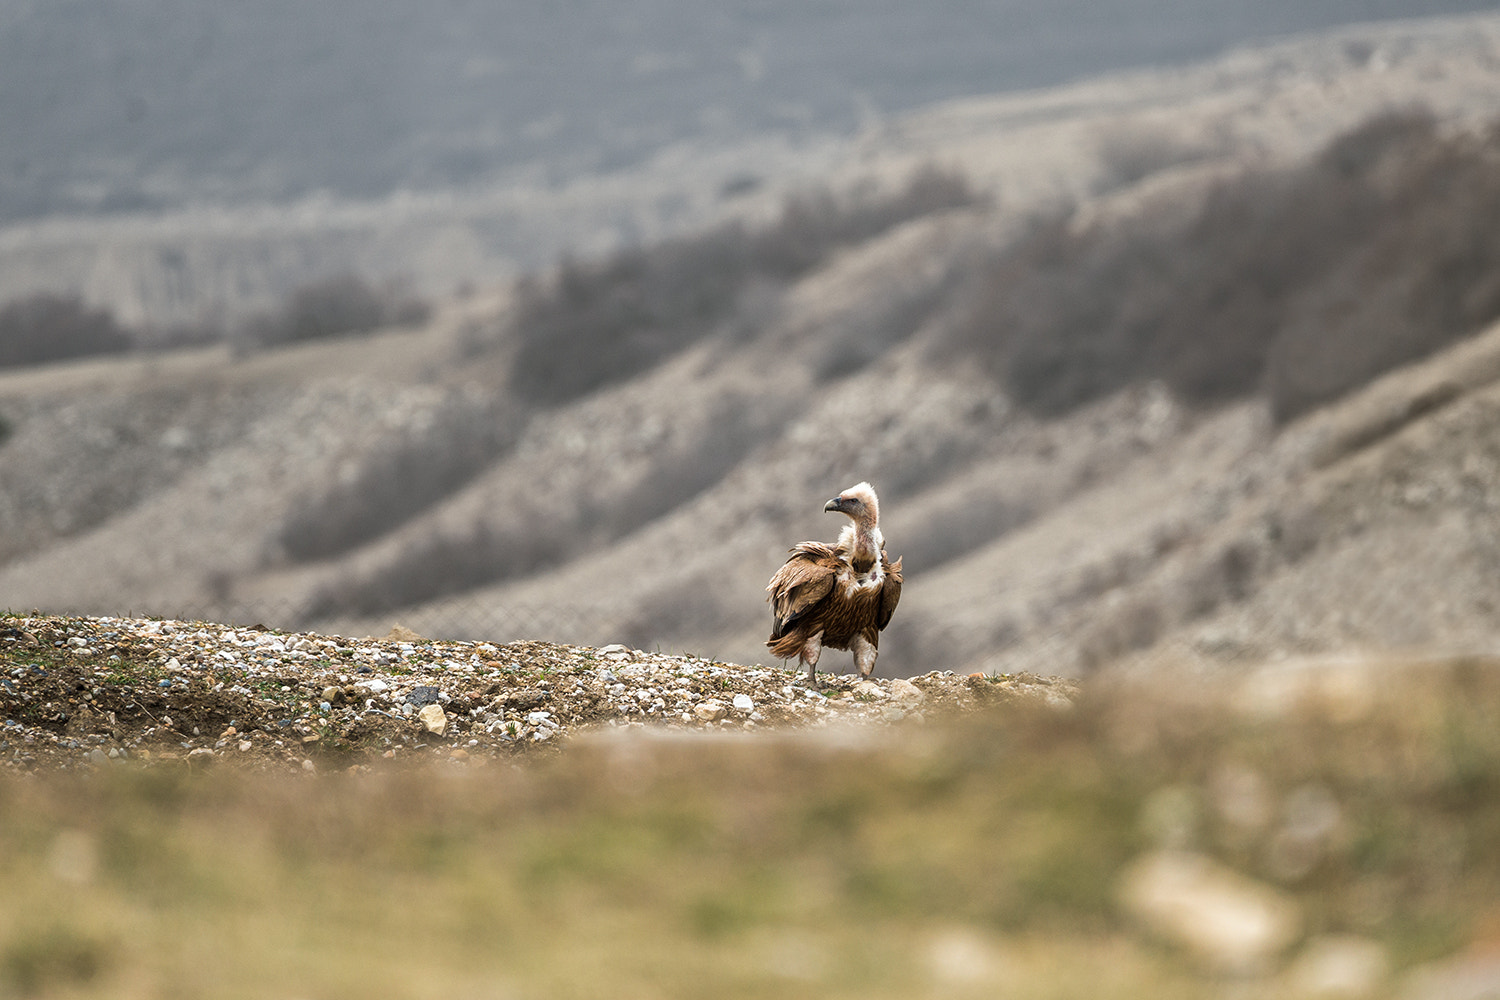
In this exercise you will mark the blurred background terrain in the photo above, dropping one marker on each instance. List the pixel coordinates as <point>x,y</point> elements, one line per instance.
<point>1168,332</point>
<point>567,328</point>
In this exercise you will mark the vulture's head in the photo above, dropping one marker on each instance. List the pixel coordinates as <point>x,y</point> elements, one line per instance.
<point>859,503</point>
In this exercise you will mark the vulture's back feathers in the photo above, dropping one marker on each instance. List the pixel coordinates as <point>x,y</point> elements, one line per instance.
<point>801,584</point>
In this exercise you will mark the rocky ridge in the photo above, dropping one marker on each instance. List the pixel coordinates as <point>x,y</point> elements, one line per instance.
<point>82,692</point>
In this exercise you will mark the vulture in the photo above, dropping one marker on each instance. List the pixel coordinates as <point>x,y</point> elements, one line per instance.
<point>839,595</point>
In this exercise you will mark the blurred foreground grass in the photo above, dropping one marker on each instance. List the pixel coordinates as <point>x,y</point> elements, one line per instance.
<point>979,856</point>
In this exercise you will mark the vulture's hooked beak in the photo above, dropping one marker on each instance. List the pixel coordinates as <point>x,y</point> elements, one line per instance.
<point>837,503</point>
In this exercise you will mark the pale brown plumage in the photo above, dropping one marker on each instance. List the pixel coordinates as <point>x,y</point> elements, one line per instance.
<point>836,595</point>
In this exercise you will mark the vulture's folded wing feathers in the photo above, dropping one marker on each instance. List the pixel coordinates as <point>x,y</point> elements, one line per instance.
<point>803,581</point>
<point>890,591</point>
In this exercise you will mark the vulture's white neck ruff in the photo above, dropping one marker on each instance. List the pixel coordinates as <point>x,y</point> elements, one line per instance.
<point>849,540</point>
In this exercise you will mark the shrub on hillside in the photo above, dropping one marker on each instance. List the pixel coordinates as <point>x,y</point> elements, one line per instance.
<point>395,482</point>
<point>1130,153</point>
<point>1304,282</point>
<point>48,327</point>
<point>438,564</point>
<point>333,307</point>
<point>1427,274</point>
<point>598,322</point>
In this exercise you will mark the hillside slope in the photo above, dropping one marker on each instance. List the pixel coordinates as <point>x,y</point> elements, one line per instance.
<point>413,476</point>
<point>217,259</point>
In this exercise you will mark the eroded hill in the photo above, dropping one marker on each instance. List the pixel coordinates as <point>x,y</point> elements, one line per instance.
<point>1058,508</point>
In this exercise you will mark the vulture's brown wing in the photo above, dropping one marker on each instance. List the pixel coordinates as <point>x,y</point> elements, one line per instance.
<point>890,591</point>
<point>801,584</point>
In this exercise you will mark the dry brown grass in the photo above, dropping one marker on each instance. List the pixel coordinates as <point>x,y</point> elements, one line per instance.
<point>946,859</point>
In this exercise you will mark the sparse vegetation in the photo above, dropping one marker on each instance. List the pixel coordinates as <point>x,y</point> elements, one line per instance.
<point>1129,154</point>
<point>333,307</point>
<point>1304,282</point>
<point>56,327</point>
<point>598,322</point>
<point>397,481</point>
<point>48,327</point>
<point>495,549</point>
<point>768,866</point>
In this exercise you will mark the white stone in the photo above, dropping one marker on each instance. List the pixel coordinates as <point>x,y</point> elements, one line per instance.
<point>1338,966</point>
<point>744,703</point>
<point>960,957</point>
<point>904,690</point>
<point>709,711</point>
<point>868,689</point>
<point>434,719</point>
<point>1231,922</point>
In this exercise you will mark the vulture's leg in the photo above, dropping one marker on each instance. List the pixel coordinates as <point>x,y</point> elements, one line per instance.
<point>811,650</point>
<point>864,655</point>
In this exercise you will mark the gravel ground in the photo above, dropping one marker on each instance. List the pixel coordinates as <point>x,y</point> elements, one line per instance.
<point>95,692</point>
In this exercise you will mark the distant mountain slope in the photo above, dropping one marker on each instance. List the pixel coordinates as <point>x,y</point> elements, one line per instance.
<point>162,103</point>
<point>195,251</point>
